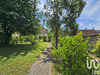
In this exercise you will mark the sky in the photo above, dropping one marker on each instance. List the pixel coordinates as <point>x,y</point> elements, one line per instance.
<point>90,16</point>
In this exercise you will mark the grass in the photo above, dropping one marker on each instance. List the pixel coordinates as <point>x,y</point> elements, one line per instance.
<point>17,59</point>
<point>55,70</point>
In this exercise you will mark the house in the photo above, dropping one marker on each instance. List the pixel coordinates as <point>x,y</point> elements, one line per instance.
<point>89,33</point>
<point>44,32</point>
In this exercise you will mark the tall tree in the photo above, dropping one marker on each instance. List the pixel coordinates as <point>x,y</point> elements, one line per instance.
<point>54,12</point>
<point>17,15</point>
<point>71,8</point>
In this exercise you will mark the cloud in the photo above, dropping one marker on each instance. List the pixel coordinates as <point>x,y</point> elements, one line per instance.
<point>90,16</point>
<point>97,27</point>
<point>89,26</point>
<point>81,24</point>
<point>98,19</point>
<point>92,8</point>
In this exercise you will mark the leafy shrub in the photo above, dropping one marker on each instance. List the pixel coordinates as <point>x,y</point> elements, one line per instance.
<point>41,36</point>
<point>15,40</point>
<point>31,38</point>
<point>97,47</point>
<point>72,54</point>
<point>36,37</point>
<point>41,40</point>
<point>44,39</point>
<point>35,42</point>
<point>22,39</point>
<point>49,38</point>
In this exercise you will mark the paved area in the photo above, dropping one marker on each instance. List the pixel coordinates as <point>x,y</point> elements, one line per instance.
<point>43,65</point>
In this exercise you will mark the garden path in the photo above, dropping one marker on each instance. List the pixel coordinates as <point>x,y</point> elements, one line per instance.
<point>43,65</point>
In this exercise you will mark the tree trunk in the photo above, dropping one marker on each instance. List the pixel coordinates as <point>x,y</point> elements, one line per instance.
<point>7,38</point>
<point>70,63</point>
<point>56,37</point>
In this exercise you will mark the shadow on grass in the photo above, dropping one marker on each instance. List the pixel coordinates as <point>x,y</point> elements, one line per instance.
<point>12,51</point>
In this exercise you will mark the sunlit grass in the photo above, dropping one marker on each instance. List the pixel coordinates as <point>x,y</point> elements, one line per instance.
<point>17,59</point>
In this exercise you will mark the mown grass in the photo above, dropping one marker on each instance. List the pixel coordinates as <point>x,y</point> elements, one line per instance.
<point>17,59</point>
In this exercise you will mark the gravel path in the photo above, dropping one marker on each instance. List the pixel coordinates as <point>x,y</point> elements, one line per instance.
<point>43,65</point>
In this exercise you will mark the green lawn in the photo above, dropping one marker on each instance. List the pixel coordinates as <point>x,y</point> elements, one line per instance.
<point>17,59</point>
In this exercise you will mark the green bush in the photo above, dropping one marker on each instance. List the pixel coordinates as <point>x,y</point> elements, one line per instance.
<point>41,40</point>
<point>72,55</point>
<point>49,38</point>
<point>31,38</point>
<point>36,37</point>
<point>22,39</point>
<point>39,37</point>
<point>97,47</point>
<point>35,42</point>
<point>44,39</point>
<point>15,40</point>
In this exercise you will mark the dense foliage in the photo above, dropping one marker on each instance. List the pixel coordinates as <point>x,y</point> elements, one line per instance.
<point>45,38</point>
<point>72,55</point>
<point>24,39</point>
<point>18,15</point>
<point>96,47</point>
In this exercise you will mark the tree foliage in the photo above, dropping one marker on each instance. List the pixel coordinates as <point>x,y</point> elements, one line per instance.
<point>96,47</point>
<point>72,9</point>
<point>63,12</point>
<point>53,17</point>
<point>18,15</point>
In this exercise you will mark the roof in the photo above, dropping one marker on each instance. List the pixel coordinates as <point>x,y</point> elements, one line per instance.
<point>44,31</point>
<point>87,32</point>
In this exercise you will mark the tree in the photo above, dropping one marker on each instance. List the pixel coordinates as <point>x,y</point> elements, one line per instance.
<point>1,35</point>
<point>17,15</point>
<point>72,9</point>
<point>53,18</point>
<point>55,15</point>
